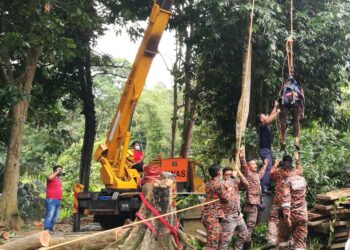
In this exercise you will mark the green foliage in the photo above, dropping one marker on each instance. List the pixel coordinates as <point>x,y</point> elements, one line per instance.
<point>324,157</point>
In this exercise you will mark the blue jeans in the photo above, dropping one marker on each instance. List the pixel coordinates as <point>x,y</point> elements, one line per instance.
<point>265,153</point>
<point>52,208</point>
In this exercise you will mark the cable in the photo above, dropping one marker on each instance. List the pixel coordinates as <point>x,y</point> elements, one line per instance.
<point>129,225</point>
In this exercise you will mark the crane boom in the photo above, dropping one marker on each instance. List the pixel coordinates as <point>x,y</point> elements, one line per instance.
<point>112,153</point>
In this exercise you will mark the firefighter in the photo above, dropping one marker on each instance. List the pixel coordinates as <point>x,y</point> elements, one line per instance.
<point>293,210</point>
<point>213,213</point>
<point>273,217</point>
<point>253,199</point>
<point>233,220</point>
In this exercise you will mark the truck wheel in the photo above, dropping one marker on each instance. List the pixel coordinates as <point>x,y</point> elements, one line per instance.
<point>110,221</point>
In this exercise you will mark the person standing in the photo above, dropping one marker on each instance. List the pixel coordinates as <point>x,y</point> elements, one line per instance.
<point>233,220</point>
<point>54,196</point>
<point>213,213</point>
<point>253,200</point>
<point>293,209</point>
<point>265,143</point>
<point>276,176</point>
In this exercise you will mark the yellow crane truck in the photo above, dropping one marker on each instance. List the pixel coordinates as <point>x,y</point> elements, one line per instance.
<point>120,198</point>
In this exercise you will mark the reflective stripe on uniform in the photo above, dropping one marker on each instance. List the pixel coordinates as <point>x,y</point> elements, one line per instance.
<point>285,205</point>
<point>299,248</point>
<point>284,244</point>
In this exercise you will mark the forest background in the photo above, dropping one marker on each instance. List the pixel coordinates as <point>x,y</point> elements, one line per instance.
<point>65,108</point>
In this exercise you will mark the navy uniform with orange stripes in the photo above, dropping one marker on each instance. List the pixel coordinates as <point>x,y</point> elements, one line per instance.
<point>213,213</point>
<point>293,210</point>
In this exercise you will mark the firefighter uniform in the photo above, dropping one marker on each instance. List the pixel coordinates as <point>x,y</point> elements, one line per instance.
<point>233,217</point>
<point>253,198</point>
<point>213,213</point>
<point>294,207</point>
<point>275,176</point>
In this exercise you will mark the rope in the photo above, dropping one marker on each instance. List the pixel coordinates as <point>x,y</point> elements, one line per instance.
<point>243,106</point>
<point>130,225</point>
<point>289,43</point>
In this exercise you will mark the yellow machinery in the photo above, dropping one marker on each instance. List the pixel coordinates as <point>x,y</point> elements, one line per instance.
<point>119,200</point>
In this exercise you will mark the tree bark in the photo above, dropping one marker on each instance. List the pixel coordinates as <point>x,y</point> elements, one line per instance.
<point>160,194</point>
<point>189,103</point>
<point>9,216</point>
<point>30,242</point>
<point>86,87</point>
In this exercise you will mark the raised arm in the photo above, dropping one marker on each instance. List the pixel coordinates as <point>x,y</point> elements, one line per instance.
<point>273,113</point>
<point>263,169</point>
<point>298,167</point>
<point>274,170</point>
<point>243,182</point>
<point>54,174</point>
<point>243,162</point>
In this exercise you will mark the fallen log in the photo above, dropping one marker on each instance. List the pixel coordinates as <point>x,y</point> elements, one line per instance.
<point>5,235</point>
<point>92,243</point>
<point>29,242</point>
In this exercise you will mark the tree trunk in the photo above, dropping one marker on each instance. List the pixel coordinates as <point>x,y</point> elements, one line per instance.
<point>176,73</point>
<point>30,242</point>
<point>189,105</point>
<point>9,216</point>
<point>174,121</point>
<point>161,195</point>
<point>86,86</point>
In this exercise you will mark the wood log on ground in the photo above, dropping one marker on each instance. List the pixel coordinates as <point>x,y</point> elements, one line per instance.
<point>91,243</point>
<point>160,194</point>
<point>29,242</point>
<point>5,235</point>
<point>334,195</point>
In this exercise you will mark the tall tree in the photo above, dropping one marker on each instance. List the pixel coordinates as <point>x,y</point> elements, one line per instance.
<point>20,75</point>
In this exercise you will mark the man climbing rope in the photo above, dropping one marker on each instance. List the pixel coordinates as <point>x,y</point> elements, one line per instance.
<point>213,213</point>
<point>293,209</point>
<point>265,143</point>
<point>291,100</point>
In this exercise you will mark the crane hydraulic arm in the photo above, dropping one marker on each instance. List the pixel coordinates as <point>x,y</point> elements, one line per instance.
<point>112,153</point>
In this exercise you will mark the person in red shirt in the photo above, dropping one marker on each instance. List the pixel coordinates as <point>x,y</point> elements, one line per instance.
<point>138,156</point>
<point>53,198</point>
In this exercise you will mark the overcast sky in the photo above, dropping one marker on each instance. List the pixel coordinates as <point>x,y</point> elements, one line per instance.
<point>121,47</point>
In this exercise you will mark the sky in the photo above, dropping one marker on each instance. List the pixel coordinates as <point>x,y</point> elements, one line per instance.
<point>122,47</point>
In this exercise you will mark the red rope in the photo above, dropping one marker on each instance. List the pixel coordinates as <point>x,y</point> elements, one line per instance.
<point>173,230</point>
<point>151,173</point>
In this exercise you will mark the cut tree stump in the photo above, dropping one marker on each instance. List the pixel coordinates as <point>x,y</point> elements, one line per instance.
<point>161,195</point>
<point>5,235</point>
<point>30,242</point>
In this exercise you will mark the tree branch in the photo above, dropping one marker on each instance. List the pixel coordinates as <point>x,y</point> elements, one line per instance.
<point>6,72</point>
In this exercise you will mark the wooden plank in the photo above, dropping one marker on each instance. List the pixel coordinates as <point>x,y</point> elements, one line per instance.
<point>336,224</point>
<point>323,207</point>
<point>338,245</point>
<point>334,195</point>
<point>341,234</point>
<point>342,211</point>
<point>315,216</point>
<point>317,222</point>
